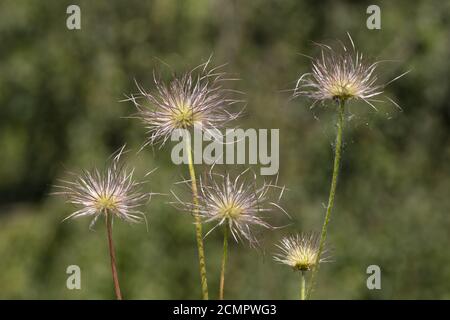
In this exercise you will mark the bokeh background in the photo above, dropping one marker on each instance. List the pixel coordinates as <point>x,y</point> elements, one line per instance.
<point>60,110</point>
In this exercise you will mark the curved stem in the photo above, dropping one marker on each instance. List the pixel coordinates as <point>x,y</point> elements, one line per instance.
<point>198,225</point>
<point>224,259</point>
<point>302,285</point>
<point>337,159</point>
<point>112,255</point>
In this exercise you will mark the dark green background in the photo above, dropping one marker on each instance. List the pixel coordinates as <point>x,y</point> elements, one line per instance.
<point>59,111</point>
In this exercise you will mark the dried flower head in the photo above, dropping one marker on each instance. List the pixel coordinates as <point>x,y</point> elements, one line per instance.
<point>341,75</point>
<point>299,251</point>
<point>239,203</point>
<point>112,191</point>
<point>197,98</point>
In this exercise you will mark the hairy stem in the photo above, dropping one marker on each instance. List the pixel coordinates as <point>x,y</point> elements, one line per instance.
<point>334,178</point>
<point>224,259</point>
<point>112,255</point>
<point>198,225</point>
<point>302,285</point>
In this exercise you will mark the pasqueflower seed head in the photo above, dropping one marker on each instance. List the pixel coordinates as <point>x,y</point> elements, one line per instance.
<point>299,251</point>
<point>239,203</point>
<point>196,98</point>
<point>112,191</point>
<point>342,74</point>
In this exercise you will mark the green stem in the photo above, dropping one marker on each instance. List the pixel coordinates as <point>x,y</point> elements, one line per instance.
<point>112,255</point>
<point>337,159</point>
<point>302,285</point>
<point>198,224</point>
<point>224,259</point>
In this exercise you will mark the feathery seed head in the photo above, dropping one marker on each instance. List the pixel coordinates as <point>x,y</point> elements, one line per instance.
<point>112,191</point>
<point>196,98</point>
<point>341,74</point>
<point>238,203</point>
<point>299,251</point>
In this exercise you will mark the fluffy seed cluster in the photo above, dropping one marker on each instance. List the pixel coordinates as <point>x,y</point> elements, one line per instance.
<point>239,203</point>
<point>299,251</point>
<point>112,191</point>
<point>197,98</point>
<point>341,74</point>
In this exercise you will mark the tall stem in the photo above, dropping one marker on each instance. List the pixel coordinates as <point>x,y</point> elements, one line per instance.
<point>112,255</point>
<point>224,259</point>
<point>337,159</point>
<point>198,225</point>
<point>302,285</point>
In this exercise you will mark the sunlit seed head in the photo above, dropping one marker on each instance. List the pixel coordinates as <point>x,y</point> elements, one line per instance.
<point>236,202</point>
<point>198,97</point>
<point>112,191</point>
<point>299,251</point>
<point>303,258</point>
<point>239,203</point>
<point>342,74</point>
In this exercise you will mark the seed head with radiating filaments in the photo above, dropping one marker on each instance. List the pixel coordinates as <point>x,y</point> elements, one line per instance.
<point>112,191</point>
<point>197,98</point>
<point>342,74</point>
<point>299,251</point>
<point>237,202</point>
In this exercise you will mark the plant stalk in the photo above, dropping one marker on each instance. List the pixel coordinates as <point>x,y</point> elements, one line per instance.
<point>112,255</point>
<point>302,285</point>
<point>334,178</point>
<point>198,225</point>
<point>224,259</point>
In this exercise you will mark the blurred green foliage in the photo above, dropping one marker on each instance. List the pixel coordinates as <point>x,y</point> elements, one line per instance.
<point>60,110</point>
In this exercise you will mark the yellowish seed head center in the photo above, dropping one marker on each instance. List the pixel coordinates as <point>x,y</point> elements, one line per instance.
<point>231,211</point>
<point>343,90</point>
<point>304,260</point>
<point>106,203</point>
<point>183,116</point>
